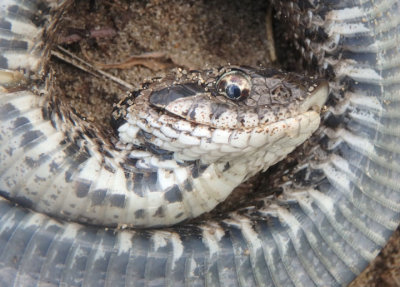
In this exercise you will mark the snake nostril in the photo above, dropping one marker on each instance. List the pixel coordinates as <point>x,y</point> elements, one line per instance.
<point>281,92</point>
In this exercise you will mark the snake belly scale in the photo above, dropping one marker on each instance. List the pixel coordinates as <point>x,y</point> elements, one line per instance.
<point>183,143</point>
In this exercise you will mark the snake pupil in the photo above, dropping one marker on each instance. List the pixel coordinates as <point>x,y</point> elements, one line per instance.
<point>233,91</point>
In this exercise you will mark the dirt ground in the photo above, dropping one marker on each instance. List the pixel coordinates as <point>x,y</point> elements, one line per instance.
<point>190,34</point>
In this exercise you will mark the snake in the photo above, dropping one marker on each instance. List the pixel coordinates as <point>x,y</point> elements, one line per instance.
<point>81,206</point>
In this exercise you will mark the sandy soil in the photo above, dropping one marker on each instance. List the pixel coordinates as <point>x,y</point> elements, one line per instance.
<point>192,34</point>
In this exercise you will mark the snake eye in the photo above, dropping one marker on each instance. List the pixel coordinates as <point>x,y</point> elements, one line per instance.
<point>235,85</point>
<point>233,91</point>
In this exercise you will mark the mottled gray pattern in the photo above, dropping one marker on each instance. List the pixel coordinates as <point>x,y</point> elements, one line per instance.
<point>337,207</point>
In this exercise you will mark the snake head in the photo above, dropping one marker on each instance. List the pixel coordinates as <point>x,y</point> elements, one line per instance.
<point>224,114</point>
<point>223,106</point>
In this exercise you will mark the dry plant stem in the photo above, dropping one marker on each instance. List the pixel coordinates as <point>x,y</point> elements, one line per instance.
<point>270,36</point>
<point>154,61</point>
<point>83,65</point>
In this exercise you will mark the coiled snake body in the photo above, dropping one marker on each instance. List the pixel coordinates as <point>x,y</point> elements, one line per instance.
<point>184,143</point>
